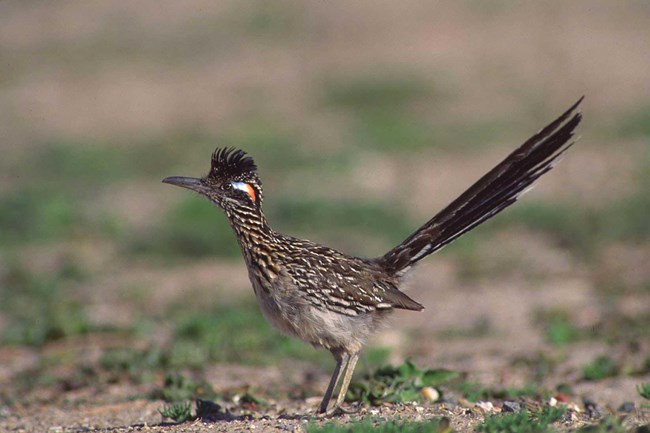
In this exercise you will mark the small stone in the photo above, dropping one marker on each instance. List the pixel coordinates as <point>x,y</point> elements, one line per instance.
<point>510,406</point>
<point>552,402</point>
<point>486,406</point>
<point>419,409</point>
<point>573,407</point>
<point>430,393</point>
<point>591,407</point>
<point>628,406</point>
<point>562,398</point>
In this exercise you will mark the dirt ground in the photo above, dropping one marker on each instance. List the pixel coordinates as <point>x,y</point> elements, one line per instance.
<point>131,76</point>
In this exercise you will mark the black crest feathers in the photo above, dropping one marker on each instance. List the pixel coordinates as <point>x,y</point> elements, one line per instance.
<point>231,163</point>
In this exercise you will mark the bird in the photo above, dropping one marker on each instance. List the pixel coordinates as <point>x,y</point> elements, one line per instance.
<point>336,301</point>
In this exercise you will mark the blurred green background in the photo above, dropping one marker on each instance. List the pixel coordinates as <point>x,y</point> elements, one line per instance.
<point>365,118</point>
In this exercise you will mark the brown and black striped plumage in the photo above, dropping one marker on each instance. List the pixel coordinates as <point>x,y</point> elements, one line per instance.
<point>336,301</point>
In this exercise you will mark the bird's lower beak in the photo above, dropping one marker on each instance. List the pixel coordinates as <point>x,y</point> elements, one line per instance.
<point>186,182</point>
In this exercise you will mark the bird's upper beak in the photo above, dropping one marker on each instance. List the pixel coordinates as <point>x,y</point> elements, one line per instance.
<point>187,182</point>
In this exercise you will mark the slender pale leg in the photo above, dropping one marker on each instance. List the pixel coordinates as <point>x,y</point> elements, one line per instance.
<point>349,369</point>
<point>341,359</point>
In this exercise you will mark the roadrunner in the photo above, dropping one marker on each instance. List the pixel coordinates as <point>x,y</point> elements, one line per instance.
<point>336,301</point>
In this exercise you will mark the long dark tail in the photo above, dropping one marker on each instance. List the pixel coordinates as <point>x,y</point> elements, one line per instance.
<point>492,193</point>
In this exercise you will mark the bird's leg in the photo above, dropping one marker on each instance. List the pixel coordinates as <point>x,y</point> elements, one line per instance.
<point>341,358</point>
<point>349,369</point>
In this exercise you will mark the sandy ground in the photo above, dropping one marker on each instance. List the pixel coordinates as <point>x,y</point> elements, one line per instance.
<point>97,72</point>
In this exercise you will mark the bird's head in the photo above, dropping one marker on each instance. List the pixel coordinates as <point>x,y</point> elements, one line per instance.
<point>231,183</point>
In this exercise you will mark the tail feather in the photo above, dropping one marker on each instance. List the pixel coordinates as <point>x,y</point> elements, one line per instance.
<point>498,189</point>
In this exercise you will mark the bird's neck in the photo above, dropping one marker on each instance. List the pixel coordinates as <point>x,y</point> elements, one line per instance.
<point>251,227</point>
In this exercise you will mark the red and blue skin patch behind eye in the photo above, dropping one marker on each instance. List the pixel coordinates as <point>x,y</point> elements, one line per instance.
<point>243,186</point>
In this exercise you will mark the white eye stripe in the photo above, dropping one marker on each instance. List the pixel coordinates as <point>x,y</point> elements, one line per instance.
<point>240,186</point>
<point>243,186</point>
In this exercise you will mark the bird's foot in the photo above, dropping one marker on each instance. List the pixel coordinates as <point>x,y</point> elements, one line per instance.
<point>337,411</point>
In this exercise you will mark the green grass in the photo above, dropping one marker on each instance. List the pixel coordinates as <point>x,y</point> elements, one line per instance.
<point>600,368</point>
<point>179,412</point>
<point>473,391</point>
<point>226,333</point>
<point>644,390</point>
<point>178,388</point>
<point>523,422</point>
<point>435,425</point>
<point>557,327</point>
<point>232,333</point>
<point>135,365</point>
<point>39,307</point>
<point>609,424</point>
<point>30,215</point>
<point>192,228</point>
<point>397,384</point>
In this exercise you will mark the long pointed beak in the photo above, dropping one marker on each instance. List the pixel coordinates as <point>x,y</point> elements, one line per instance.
<point>186,182</point>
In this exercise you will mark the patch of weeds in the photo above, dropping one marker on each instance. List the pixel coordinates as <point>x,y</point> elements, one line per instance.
<point>30,215</point>
<point>644,390</point>
<point>193,228</point>
<point>558,328</point>
<point>179,412</point>
<point>376,355</point>
<point>435,425</point>
<point>473,391</point>
<point>600,368</point>
<point>523,422</point>
<point>80,163</point>
<point>403,383</point>
<point>38,307</point>
<point>540,364</point>
<point>178,388</point>
<point>231,333</point>
<point>84,167</point>
<point>137,365</point>
<point>561,332</point>
<point>609,424</point>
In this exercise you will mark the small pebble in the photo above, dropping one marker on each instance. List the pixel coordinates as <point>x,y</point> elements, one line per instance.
<point>486,406</point>
<point>573,407</point>
<point>552,402</point>
<point>510,406</point>
<point>561,397</point>
<point>419,409</point>
<point>591,407</point>
<point>628,406</point>
<point>430,393</point>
